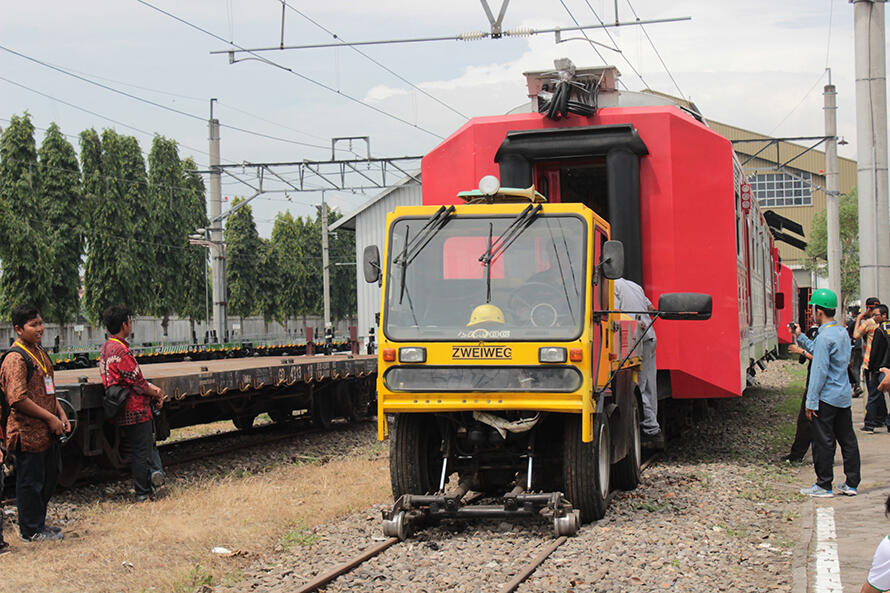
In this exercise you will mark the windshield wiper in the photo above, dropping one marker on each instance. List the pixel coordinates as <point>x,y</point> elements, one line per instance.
<point>412,249</point>
<point>510,234</point>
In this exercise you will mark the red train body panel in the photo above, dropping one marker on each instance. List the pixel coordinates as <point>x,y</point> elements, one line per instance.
<point>695,235</point>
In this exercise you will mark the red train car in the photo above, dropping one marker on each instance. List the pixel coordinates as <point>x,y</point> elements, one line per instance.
<point>789,301</point>
<point>673,192</point>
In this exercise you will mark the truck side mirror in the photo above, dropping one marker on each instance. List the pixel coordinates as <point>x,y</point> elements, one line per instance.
<point>371,264</point>
<point>685,306</point>
<point>612,259</point>
<point>780,301</point>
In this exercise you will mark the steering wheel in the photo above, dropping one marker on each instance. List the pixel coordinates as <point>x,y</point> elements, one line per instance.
<point>539,304</point>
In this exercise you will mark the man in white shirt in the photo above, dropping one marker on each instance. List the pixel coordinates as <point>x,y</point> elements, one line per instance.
<point>629,296</point>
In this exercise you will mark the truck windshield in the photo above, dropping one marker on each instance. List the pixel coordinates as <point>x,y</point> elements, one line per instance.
<point>533,288</point>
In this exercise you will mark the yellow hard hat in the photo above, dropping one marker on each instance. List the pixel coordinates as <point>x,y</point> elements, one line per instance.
<point>486,313</point>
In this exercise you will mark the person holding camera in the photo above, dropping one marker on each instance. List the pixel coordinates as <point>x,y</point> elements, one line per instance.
<point>829,399</point>
<point>803,435</point>
<point>875,406</point>
<point>118,366</point>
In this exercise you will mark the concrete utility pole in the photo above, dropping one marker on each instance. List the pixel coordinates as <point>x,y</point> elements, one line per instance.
<point>218,258</point>
<point>831,189</point>
<point>871,130</point>
<point>326,278</point>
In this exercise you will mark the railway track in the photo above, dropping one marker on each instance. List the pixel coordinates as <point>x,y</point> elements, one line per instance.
<point>329,576</point>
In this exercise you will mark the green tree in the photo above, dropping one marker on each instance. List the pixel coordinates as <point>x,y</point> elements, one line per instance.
<point>286,241</point>
<point>311,289</point>
<point>118,262</point>
<point>168,229</point>
<point>63,215</point>
<point>25,257</point>
<point>193,302</point>
<point>268,283</point>
<point>817,245</point>
<point>343,288</point>
<point>243,259</point>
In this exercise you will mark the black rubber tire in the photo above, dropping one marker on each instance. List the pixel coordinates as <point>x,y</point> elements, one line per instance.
<point>626,472</point>
<point>585,479</point>
<point>414,454</point>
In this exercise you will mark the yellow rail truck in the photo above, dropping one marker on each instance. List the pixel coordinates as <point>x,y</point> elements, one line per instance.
<point>501,360</point>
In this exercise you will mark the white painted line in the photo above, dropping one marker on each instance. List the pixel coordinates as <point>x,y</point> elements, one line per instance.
<point>828,571</point>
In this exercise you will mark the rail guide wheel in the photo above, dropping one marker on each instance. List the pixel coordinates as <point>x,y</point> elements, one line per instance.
<point>397,526</point>
<point>567,524</point>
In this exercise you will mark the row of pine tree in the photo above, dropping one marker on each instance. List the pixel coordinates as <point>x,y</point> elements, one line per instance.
<point>79,234</point>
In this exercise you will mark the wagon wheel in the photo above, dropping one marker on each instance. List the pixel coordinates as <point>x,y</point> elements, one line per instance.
<point>244,422</point>
<point>323,406</point>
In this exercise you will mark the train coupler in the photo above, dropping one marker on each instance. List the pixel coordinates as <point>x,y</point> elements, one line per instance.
<point>411,510</point>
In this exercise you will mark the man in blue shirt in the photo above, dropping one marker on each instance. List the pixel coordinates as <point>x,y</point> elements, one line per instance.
<point>829,399</point>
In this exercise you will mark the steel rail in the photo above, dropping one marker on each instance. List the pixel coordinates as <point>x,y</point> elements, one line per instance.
<point>532,566</point>
<point>325,578</point>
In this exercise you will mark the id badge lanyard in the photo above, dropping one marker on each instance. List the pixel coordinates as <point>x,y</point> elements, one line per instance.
<point>47,379</point>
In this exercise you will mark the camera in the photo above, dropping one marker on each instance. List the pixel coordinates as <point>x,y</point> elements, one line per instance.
<point>792,326</point>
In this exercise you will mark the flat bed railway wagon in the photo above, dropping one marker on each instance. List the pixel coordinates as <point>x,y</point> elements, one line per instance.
<point>198,392</point>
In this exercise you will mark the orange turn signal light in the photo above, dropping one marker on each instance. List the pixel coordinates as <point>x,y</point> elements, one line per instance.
<point>576,354</point>
<point>389,354</point>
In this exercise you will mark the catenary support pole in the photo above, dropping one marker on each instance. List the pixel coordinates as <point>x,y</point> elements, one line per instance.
<point>326,278</point>
<point>871,131</point>
<point>831,189</point>
<point>217,262</point>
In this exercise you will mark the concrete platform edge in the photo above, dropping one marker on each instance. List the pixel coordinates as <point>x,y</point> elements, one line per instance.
<point>800,557</point>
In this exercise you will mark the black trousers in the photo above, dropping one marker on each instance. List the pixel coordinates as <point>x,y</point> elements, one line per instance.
<point>36,476</point>
<point>2,486</point>
<point>875,407</point>
<point>140,440</point>
<point>833,426</point>
<point>804,434</point>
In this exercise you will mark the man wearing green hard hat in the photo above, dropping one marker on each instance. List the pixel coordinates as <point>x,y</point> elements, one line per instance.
<point>829,399</point>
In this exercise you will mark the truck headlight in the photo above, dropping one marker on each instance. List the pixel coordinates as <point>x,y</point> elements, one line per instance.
<point>412,354</point>
<point>551,354</point>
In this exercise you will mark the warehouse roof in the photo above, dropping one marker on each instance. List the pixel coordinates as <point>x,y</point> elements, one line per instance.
<point>348,221</point>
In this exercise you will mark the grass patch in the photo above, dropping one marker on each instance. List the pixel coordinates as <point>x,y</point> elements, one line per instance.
<point>166,544</point>
<point>197,576</point>
<point>299,536</point>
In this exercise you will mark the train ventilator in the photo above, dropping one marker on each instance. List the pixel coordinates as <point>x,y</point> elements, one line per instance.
<point>501,360</point>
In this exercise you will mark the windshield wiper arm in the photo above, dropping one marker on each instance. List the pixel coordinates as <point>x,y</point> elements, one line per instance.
<point>412,249</point>
<point>434,224</point>
<point>510,234</point>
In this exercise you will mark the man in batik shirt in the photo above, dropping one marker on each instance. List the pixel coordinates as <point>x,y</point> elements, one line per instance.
<point>118,366</point>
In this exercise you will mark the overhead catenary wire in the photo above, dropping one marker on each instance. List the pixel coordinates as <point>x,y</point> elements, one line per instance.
<point>361,53</point>
<point>291,70</point>
<point>612,39</point>
<point>657,53</point>
<point>590,41</point>
<point>72,74</point>
<point>219,102</point>
<point>105,117</point>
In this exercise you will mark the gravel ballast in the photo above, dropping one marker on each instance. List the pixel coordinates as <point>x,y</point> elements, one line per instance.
<point>713,513</point>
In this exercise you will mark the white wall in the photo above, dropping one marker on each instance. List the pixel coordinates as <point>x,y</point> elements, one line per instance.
<point>370,229</point>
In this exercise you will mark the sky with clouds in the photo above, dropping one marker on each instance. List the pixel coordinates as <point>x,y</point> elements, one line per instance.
<point>759,65</point>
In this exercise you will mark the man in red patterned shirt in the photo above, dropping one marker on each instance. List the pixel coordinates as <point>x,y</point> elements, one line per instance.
<point>118,366</point>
